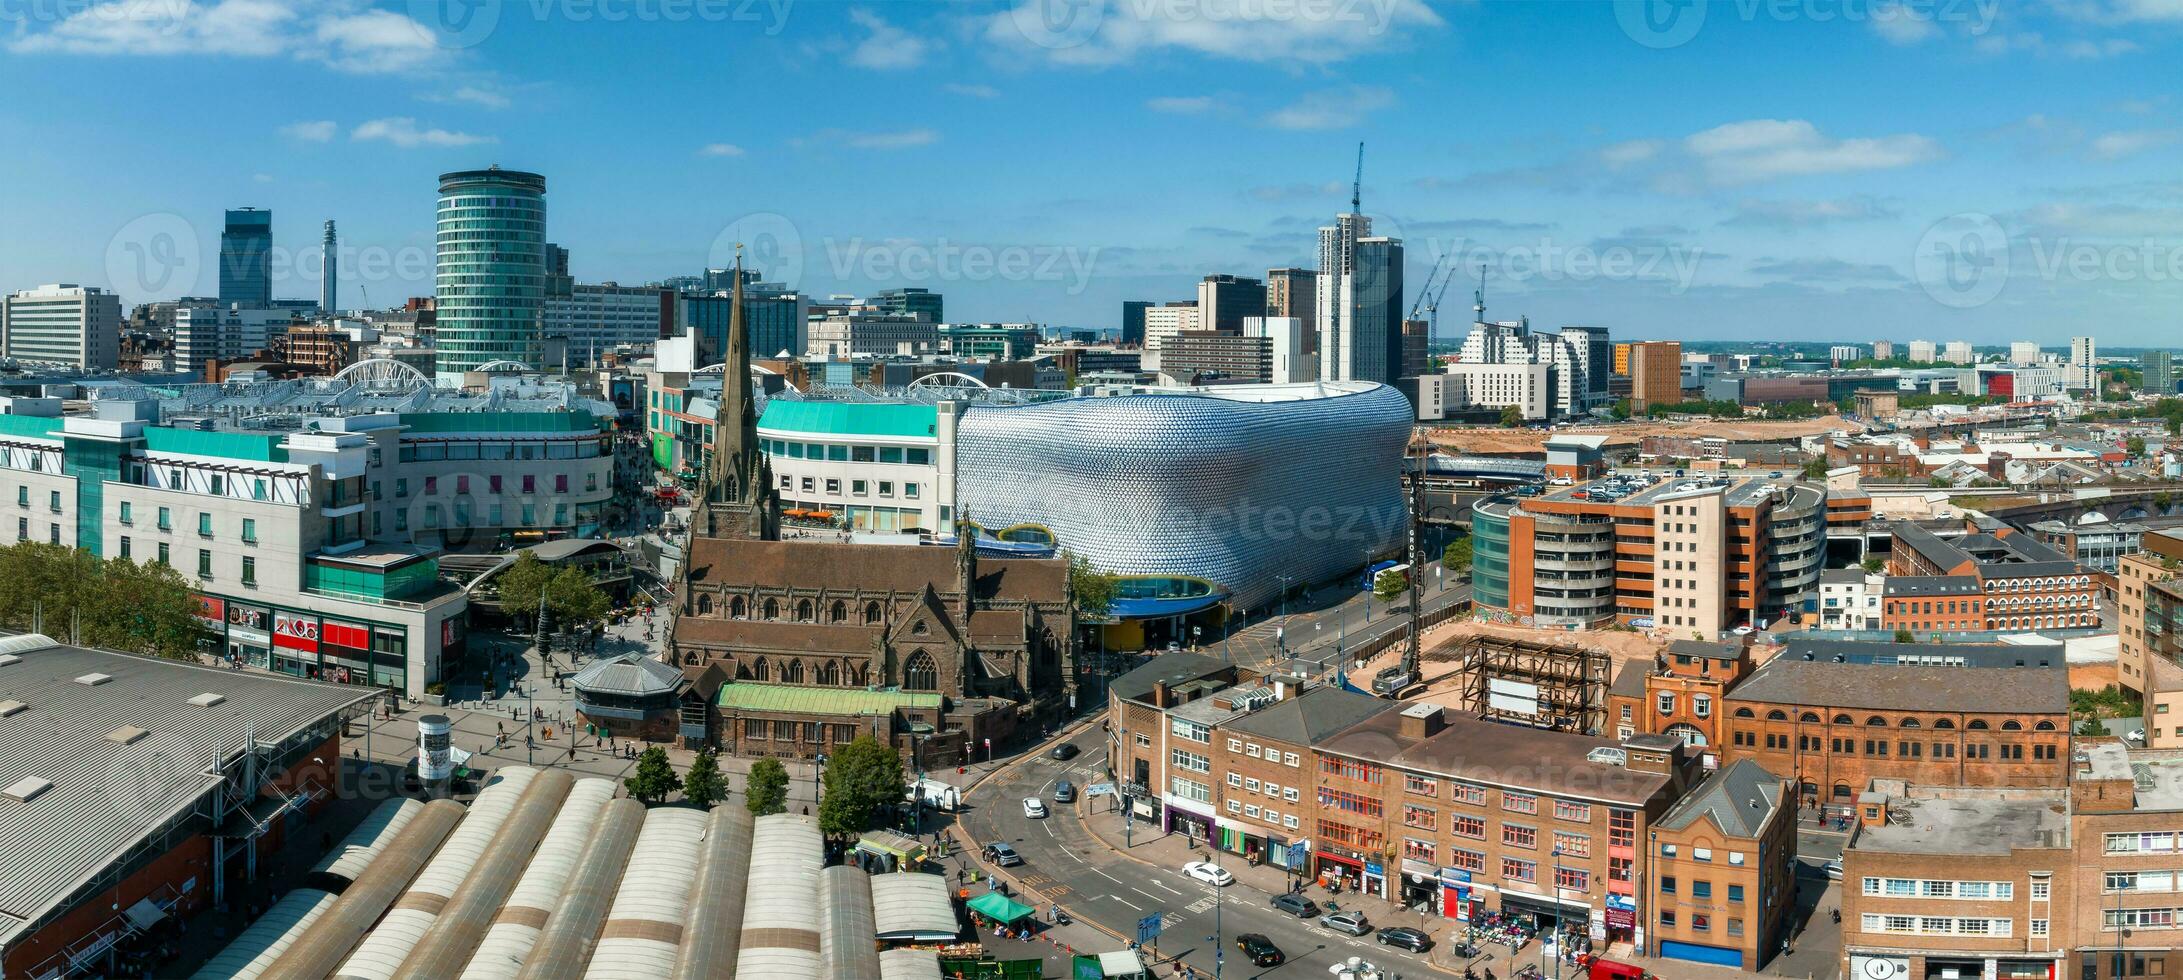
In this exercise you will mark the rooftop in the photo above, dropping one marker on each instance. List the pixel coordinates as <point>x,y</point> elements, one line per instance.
<point>109,795</point>
<point>1932,585</point>
<point>797,699</point>
<point>1739,800</point>
<point>1884,687</point>
<point>2156,774</point>
<point>1311,717</point>
<point>1481,751</point>
<point>1169,668</point>
<point>1976,825</point>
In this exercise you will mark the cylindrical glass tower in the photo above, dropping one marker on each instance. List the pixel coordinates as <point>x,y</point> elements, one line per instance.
<point>490,284</point>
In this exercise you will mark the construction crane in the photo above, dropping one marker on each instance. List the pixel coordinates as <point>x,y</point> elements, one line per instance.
<point>1356,187</point>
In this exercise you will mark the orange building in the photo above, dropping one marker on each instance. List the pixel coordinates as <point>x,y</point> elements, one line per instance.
<point>1656,374</point>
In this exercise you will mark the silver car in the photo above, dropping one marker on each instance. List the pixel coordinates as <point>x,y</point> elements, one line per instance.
<point>1352,923</point>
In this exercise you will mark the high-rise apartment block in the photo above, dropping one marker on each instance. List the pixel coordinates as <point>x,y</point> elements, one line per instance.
<point>246,259</point>
<point>1883,350</point>
<point>490,284</point>
<point>1656,374</point>
<point>2084,364</point>
<point>1133,321</point>
<point>1922,352</point>
<point>2158,372</point>
<point>1959,352</point>
<point>1162,322</point>
<point>62,324</point>
<point>1359,302</point>
<point>907,301</point>
<point>1295,293</point>
<point>1225,300</point>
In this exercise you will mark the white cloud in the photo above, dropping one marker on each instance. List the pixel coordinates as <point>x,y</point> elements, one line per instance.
<point>2119,144</point>
<point>720,150</point>
<point>1630,152</point>
<point>888,48</point>
<point>1898,24</point>
<point>477,95</point>
<point>314,131</point>
<point>871,140</point>
<point>262,178</point>
<point>1805,214</point>
<point>1763,149</point>
<point>402,131</point>
<point>971,91</point>
<point>1181,105</point>
<point>1110,32</point>
<point>2149,10</point>
<point>345,36</point>
<point>1332,108</point>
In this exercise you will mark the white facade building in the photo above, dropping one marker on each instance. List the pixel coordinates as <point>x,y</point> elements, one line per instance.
<point>1162,322</point>
<point>1849,599</point>
<point>2084,364</point>
<point>1289,346</point>
<point>1921,352</point>
<point>1959,352</point>
<point>62,323</point>
<point>1578,357</point>
<point>204,334</point>
<point>1466,387</point>
<point>598,317</point>
<point>2024,353</point>
<point>1843,352</point>
<point>873,334</point>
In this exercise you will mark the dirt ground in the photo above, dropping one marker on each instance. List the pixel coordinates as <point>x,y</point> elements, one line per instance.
<point>1506,442</point>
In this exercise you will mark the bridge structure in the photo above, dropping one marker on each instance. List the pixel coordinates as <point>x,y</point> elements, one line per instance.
<point>2132,503</point>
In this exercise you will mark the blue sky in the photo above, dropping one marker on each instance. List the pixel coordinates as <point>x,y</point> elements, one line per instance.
<point>1794,169</point>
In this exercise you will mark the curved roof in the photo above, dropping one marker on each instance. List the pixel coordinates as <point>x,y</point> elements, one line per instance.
<point>632,674</point>
<point>894,419</point>
<point>267,938</point>
<point>912,906</point>
<point>781,912</point>
<point>909,964</point>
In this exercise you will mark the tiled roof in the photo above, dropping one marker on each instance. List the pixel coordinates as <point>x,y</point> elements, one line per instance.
<point>1503,755</point>
<point>1740,799</point>
<point>1889,687</point>
<point>1311,717</point>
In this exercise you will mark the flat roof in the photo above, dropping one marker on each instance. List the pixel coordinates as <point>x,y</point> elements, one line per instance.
<point>1476,750</point>
<point>109,795</point>
<point>796,699</point>
<point>1969,826</point>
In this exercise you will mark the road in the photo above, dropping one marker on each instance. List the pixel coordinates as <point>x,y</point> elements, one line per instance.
<point>1319,627</point>
<point>1063,863</point>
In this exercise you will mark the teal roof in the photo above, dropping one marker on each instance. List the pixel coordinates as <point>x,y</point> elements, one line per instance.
<point>850,418</point>
<point>227,445</point>
<point>574,421</point>
<point>30,425</point>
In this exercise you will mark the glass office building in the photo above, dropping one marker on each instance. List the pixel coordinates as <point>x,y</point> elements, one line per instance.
<point>491,279</point>
<point>246,259</point>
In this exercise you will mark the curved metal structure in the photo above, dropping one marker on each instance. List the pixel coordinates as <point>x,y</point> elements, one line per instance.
<point>515,929</point>
<point>323,946</point>
<point>504,365</point>
<point>780,939</point>
<point>756,371</point>
<point>454,934</point>
<point>846,925</point>
<point>247,957</point>
<point>356,851</point>
<point>382,372</point>
<point>1240,486</point>
<point>381,954</point>
<point>571,933</point>
<point>947,379</point>
<point>643,934</point>
<point>714,934</point>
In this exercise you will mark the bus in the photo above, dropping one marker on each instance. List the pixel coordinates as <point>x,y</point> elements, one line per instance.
<point>1372,574</point>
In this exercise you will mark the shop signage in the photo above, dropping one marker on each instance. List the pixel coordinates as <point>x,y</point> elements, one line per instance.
<point>350,635</point>
<point>249,624</point>
<point>295,632</point>
<point>210,611</point>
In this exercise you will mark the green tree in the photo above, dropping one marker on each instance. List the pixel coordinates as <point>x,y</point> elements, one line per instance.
<point>1094,589</point>
<point>1873,565</point>
<point>522,585</point>
<point>1457,556</point>
<point>1512,416</point>
<point>1816,467</point>
<point>1905,636</point>
<point>115,603</point>
<point>765,790</point>
<point>863,781</point>
<point>2135,445</point>
<point>704,786</point>
<point>1389,585</point>
<point>570,597</point>
<point>655,777</point>
<point>1621,410</point>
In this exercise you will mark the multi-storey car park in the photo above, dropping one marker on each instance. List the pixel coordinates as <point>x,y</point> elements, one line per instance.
<point>1696,554</point>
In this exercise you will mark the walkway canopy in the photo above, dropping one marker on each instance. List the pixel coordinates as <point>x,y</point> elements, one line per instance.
<point>903,852</point>
<point>1000,908</point>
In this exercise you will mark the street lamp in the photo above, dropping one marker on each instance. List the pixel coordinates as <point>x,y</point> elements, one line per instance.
<point>1559,952</point>
<point>818,768</point>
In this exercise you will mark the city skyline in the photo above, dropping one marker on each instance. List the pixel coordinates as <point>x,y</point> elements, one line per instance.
<point>1988,172</point>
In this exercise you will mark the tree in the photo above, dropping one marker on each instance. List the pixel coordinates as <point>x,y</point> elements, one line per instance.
<point>1512,416</point>
<point>1094,589</point>
<point>655,777</point>
<point>522,585</point>
<point>1816,467</point>
<point>1621,410</point>
<point>2135,445</point>
<point>704,786</point>
<point>863,781</point>
<point>1456,557</point>
<point>1905,636</point>
<point>570,597</point>
<point>115,603</point>
<point>1873,565</point>
<point>765,790</point>
<point>1389,585</point>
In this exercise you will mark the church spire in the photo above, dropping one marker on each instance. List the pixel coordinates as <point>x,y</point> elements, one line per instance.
<point>739,496</point>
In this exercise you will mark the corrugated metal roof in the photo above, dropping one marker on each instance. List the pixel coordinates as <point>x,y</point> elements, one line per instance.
<point>850,418</point>
<point>820,700</point>
<point>912,905</point>
<point>632,674</point>
<point>107,796</point>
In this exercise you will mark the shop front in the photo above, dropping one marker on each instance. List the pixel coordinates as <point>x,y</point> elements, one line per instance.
<point>249,633</point>
<point>1243,840</point>
<point>1547,913</point>
<point>1375,879</point>
<point>1420,886</point>
<point>295,645</point>
<point>1621,918</point>
<point>1456,897</point>
<point>1338,868</point>
<point>1195,826</point>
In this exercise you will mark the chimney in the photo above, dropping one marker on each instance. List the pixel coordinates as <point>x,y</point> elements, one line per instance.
<point>1423,721</point>
<point>1997,466</point>
<point>1872,809</point>
<point>1162,697</point>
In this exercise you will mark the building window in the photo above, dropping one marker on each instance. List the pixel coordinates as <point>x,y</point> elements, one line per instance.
<point>1667,702</point>
<point>125,547</point>
<point>1519,802</point>
<point>1515,870</point>
<point>55,505</point>
<point>204,563</point>
<point>1518,835</point>
<point>250,530</point>
<point>53,533</point>
<point>920,673</point>
<point>163,553</point>
<point>22,529</point>
<point>250,570</point>
<point>125,515</point>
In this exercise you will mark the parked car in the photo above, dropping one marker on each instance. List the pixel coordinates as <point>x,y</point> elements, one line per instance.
<point>1352,923</point>
<point>1003,855</point>
<point>1405,937</point>
<point>1296,905</point>
<point>1064,792</point>
<point>1034,808</point>
<point>1208,872</point>
<point>1833,869</point>
<point>1065,751</point>
<point>1260,950</point>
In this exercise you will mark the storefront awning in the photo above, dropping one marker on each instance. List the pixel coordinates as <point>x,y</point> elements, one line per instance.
<point>1000,908</point>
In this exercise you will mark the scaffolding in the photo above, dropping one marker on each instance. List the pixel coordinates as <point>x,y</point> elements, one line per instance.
<point>1543,685</point>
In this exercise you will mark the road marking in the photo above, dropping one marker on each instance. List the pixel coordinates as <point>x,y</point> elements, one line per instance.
<point>1155,882</point>
<point>1127,902</point>
<point>1107,876</point>
<point>1146,894</point>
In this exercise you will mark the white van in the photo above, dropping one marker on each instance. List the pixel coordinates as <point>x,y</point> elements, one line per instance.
<point>936,794</point>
